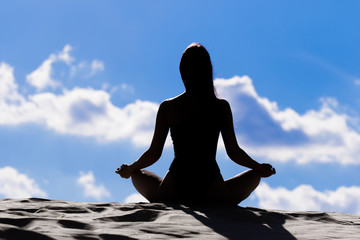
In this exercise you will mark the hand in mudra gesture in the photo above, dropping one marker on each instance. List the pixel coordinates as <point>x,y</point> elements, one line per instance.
<point>124,171</point>
<point>266,170</point>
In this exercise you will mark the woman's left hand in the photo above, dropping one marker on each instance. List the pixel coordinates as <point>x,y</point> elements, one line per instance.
<point>124,171</point>
<point>266,170</point>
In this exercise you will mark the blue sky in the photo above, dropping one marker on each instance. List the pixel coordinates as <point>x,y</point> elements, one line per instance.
<point>80,83</point>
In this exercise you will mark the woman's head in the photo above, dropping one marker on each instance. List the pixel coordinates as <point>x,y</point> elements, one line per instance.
<point>196,70</point>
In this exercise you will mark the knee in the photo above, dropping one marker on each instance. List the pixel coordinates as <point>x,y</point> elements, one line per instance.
<point>139,179</point>
<point>147,184</point>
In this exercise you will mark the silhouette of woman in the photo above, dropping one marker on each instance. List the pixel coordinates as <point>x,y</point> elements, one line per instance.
<point>195,119</point>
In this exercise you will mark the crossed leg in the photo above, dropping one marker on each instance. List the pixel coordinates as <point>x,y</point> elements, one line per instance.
<point>153,187</point>
<point>231,191</point>
<point>242,185</point>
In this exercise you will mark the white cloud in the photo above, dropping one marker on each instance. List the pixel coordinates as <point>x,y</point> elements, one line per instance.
<point>87,181</point>
<point>357,82</point>
<point>17,185</point>
<point>80,111</point>
<point>135,198</point>
<point>124,88</point>
<point>41,77</point>
<point>306,198</point>
<point>323,135</point>
<point>86,69</point>
<point>263,129</point>
<point>8,87</point>
<point>96,66</point>
<point>65,56</point>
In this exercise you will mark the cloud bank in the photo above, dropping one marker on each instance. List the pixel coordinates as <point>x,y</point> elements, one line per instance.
<point>263,129</point>
<point>18,185</point>
<point>80,111</point>
<point>323,135</point>
<point>306,198</point>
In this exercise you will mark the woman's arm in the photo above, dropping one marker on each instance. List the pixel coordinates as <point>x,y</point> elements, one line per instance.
<point>154,152</point>
<point>233,150</point>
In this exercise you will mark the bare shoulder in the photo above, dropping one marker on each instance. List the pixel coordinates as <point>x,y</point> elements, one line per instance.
<point>222,101</point>
<point>169,104</point>
<point>174,100</point>
<point>172,109</point>
<point>223,104</point>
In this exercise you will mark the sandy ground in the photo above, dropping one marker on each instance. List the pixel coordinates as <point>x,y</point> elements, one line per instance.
<point>49,219</point>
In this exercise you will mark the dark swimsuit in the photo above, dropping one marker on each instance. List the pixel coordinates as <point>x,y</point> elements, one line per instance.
<point>194,167</point>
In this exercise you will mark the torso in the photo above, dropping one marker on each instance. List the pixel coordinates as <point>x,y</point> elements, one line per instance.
<point>194,127</point>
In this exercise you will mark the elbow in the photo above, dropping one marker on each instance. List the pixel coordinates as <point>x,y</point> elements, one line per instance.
<point>157,156</point>
<point>154,154</point>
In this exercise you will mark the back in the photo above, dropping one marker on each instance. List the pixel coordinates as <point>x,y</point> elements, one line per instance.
<point>195,132</point>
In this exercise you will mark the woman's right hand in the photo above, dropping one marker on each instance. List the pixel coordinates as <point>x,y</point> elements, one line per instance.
<point>266,170</point>
<point>124,171</point>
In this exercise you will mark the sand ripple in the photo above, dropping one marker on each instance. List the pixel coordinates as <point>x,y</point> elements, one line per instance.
<point>36,218</point>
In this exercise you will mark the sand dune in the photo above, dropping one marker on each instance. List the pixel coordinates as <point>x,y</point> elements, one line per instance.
<point>49,219</point>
